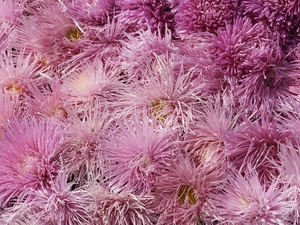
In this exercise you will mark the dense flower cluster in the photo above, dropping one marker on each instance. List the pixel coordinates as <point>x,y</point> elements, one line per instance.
<point>122,112</point>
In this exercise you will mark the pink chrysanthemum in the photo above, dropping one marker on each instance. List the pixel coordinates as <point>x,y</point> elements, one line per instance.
<point>207,136</point>
<point>57,205</point>
<point>141,14</point>
<point>51,34</point>
<point>270,79</point>
<point>48,102</point>
<point>138,153</point>
<point>84,136</point>
<point>182,192</point>
<point>166,91</point>
<point>18,73</point>
<point>27,150</point>
<point>93,81</point>
<point>95,12</point>
<point>256,144</point>
<point>117,207</point>
<point>235,44</point>
<point>195,16</point>
<point>106,44</point>
<point>244,200</point>
<point>142,48</point>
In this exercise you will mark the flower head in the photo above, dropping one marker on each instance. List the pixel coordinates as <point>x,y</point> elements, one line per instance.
<point>245,200</point>
<point>138,153</point>
<point>141,14</point>
<point>182,192</point>
<point>27,157</point>
<point>195,16</point>
<point>93,12</point>
<point>58,204</point>
<point>116,207</point>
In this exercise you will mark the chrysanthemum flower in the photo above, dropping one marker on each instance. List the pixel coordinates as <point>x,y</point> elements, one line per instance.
<point>207,136</point>
<point>27,150</point>
<point>18,73</point>
<point>48,102</point>
<point>51,34</point>
<point>244,200</point>
<point>195,16</point>
<point>94,12</point>
<point>137,154</point>
<point>141,14</point>
<point>182,192</point>
<point>235,44</point>
<point>58,204</point>
<point>91,81</point>
<point>143,47</point>
<point>270,79</point>
<point>84,136</point>
<point>117,207</point>
<point>166,91</point>
<point>275,14</point>
<point>256,144</point>
<point>106,44</point>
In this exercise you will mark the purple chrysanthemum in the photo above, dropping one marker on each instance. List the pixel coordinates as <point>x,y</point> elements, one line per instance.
<point>235,44</point>
<point>138,153</point>
<point>93,12</point>
<point>256,144</point>
<point>117,207</point>
<point>56,205</point>
<point>142,14</point>
<point>244,200</point>
<point>195,16</point>
<point>167,93</point>
<point>27,150</point>
<point>269,81</point>
<point>182,192</point>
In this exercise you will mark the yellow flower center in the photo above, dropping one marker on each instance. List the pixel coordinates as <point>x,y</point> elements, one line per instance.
<point>186,195</point>
<point>161,109</point>
<point>73,33</point>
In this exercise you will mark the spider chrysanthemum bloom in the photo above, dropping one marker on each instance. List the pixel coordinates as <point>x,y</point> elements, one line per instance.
<point>51,34</point>
<point>166,91</point>
<point>27,157</point>
<point>290,171</point>
<point>117,207</point>
<point>256,144</point>
<point>143,47</point>
<point>48,102</point>
<point>58,204</point>
<point>137,154</point>
<point>244,200</point>
<point>18,72</point>
<point>235,44</point>
<point>182,192</point>
<point>107,42</point>
<point>141,14</point>
<point>84,136</point>
<point>94,81</point>
<point>195,16</point>
<point>274,14</point>
<point>270,80</point>
<point>95,12</point>
<point>207,136</point>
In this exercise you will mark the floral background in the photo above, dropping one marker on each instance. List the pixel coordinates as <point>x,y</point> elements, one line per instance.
<point>140,112</point>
